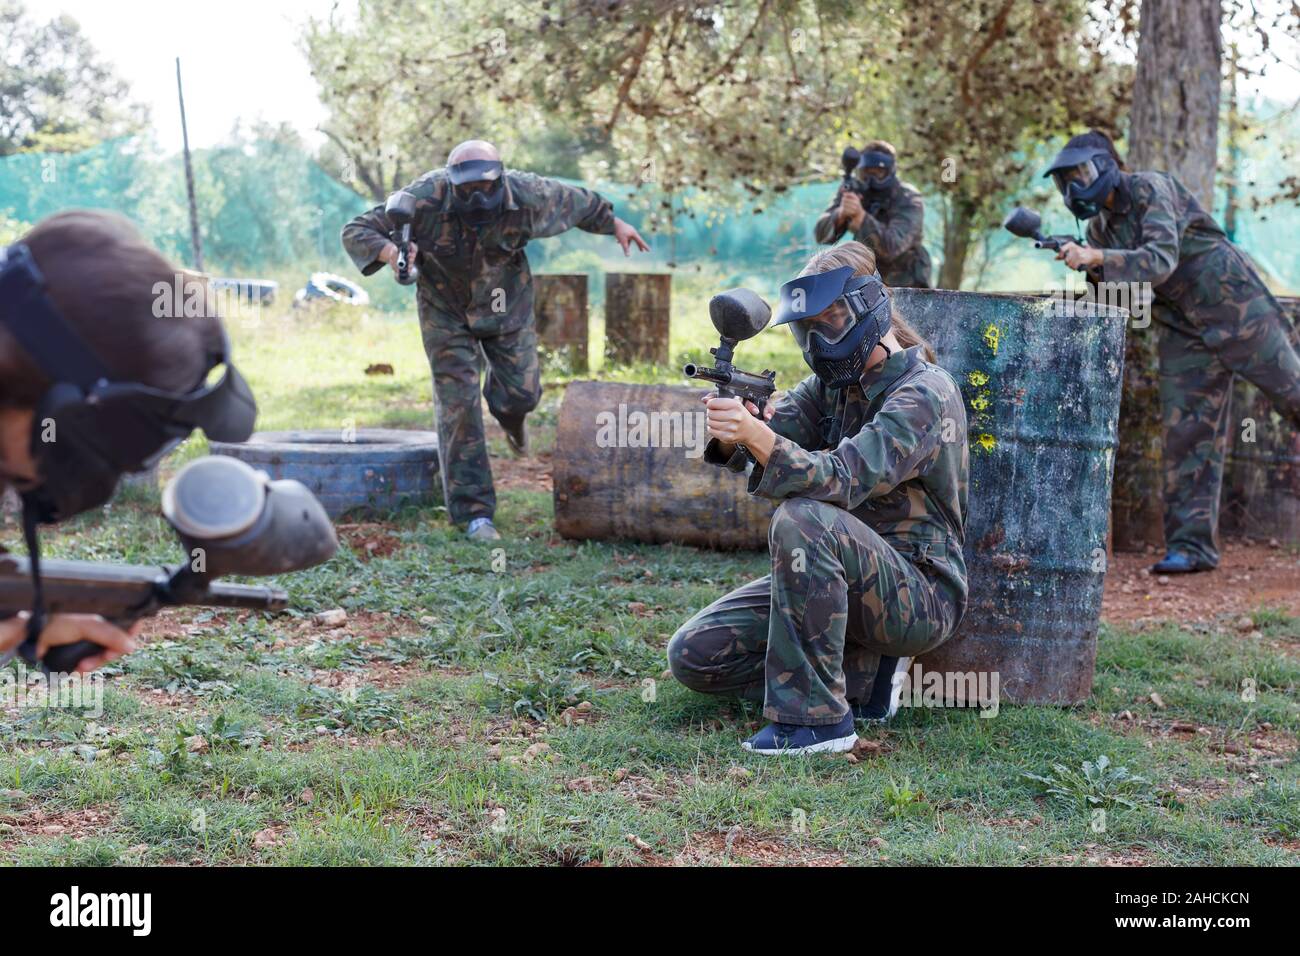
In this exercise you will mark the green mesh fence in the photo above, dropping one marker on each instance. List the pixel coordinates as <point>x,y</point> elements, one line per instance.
<point>268,210</point>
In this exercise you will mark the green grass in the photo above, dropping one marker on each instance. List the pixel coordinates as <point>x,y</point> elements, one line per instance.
<point>467,715</point>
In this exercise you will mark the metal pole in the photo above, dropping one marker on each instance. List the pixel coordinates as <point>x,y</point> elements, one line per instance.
<point>195,238</point>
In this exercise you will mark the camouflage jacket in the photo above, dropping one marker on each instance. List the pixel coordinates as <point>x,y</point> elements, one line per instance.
<point>893,233</point>
<point>480,277</point>
<point>892,451</point>
<point>1156,225</point>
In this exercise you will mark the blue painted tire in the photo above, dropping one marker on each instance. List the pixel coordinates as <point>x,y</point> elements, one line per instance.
<point>380,470</point>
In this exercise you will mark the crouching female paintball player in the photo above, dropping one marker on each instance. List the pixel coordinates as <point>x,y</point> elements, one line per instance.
<point>97,379</point>
<point>1215,318</point>
<point>868,459</point>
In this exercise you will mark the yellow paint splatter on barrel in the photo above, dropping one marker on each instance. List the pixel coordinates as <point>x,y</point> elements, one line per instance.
<point>986,441</point>
<point>977,378</point>
<point>992,337</point>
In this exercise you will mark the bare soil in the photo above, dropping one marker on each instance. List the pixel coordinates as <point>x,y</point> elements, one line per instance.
<point>1250,576</point>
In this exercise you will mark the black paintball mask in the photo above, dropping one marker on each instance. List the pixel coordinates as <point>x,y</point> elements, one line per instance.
<point>837,319</point>
<point>88,430</point>
<point>477,205</point>
<point>873,160</point>
<point>1085,174</point>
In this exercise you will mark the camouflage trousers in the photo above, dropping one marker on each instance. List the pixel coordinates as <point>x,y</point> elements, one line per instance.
<point>807,639</point>
<point>1236,328</point>
<point>512,388</point>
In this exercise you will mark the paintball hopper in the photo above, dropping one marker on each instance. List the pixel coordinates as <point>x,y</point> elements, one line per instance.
<point>236,520</point>
<point>849,160</point>
<point>1024,223</point>
<point>400,210</point>
<point>739,314</point>
<point>1027,224</point>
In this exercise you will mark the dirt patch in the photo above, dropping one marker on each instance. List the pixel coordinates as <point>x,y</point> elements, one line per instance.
<point>368,539</point>
<point>1097,855</point>
<point>1249,576</point>
<point>528,474</point>
<point>1263,744</point>
<point>75,824</point>
<point>736,846</point>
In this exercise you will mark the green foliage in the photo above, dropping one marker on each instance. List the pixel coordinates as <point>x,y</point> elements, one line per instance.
<point>56,92</point>
<point>537,693</point>
<point>1095,785</point>
<point>364,710</point>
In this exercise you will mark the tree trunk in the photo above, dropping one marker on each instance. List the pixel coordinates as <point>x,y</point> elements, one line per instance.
<point>1175,117</point>
<point>957,217</point>
<point>1174,128</point>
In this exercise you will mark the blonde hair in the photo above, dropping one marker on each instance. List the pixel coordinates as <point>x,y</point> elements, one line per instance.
<point>863,262</point>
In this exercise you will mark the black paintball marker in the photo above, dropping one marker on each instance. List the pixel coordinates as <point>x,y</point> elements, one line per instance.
<point>400,210</point>
<point>1026,224</point>
<point>849,162</point>
<point>871,200</point>
<point>737,314</point>
<point>230,519</point>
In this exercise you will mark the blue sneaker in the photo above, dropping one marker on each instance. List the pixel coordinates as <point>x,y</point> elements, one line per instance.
<point>776,739</point>
<point>1177,562</point>
<point>482,529</point>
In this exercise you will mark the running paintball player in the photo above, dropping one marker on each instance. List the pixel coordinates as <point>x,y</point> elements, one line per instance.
<point>94,384</point>
<point>883,213</point>
<point>868,459</point>
<point>473,218</point>
<point>1215,317</point>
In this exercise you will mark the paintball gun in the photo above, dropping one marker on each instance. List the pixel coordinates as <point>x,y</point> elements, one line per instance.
<point>871,201</point>
<point>1026,224</point>
<point>230,519</point>
<point>737,314</point>
<point>400,210</point>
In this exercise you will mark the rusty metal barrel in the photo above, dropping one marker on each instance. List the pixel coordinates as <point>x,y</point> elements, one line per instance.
<point>1261,485</point>
<point>1041,379</point>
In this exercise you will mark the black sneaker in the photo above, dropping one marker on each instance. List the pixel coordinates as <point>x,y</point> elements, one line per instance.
<point>517,437</point>
<point>886,692</point>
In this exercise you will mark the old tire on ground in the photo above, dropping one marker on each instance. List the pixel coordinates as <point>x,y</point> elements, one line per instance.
<point>377,470</point>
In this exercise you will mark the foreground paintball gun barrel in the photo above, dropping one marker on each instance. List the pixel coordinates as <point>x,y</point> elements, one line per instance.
<point>230,518</point>
<point>1027,224</point>
<point>400,210</point>
<point>737,314</point>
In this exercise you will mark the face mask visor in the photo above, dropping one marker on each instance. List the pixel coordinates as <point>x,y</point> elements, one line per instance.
<point>1075,179</point>
<point>875,169</point>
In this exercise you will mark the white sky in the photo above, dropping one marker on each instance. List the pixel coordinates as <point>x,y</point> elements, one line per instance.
<point>240,59</point>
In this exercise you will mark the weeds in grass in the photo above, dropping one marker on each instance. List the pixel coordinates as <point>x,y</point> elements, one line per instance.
<point>1096,785</point>
<point>902,801</point>
<point>363,710</point>
<point>177,668</point>
<point>538,694</point>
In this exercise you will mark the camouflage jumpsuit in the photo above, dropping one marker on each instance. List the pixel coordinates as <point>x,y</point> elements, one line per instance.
<point>475,300</point>
<point>866,545</point>
<point>892,231</point>
<point>1216,318</point>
